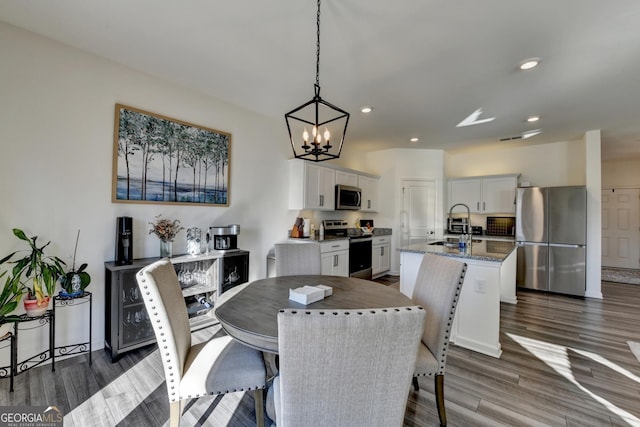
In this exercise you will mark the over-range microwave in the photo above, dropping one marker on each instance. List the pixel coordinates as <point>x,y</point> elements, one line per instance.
<point>348,198</point>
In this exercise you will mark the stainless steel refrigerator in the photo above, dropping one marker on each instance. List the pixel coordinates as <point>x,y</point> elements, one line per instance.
<point>551,233</point>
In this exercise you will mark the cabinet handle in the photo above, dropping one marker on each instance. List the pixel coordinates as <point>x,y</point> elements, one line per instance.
<point>477,206</point>
<point>322,200</point>
<point>368,204</point>
<point>382,251</point>
<point>483,206</point>
<point>335,246</point>
<point>335,260</point>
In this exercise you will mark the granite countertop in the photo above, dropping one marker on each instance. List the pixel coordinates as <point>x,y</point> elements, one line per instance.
<point>351,232</point>
<point>481,250</point>
<point>316,239</point>
<point>356,232</point>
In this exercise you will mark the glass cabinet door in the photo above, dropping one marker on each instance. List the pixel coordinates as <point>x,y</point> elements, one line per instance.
<point>135,325</point>
<point>235,271</point>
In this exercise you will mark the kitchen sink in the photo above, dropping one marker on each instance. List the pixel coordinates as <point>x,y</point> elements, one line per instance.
<point>443,243</point>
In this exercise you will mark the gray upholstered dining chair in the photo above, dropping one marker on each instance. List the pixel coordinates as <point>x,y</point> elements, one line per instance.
<point>345,367</point>
<point>297,258</point>
<point>218,366</point>
<point>437,289</point>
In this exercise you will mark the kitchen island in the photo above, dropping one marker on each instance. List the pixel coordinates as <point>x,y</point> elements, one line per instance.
<point>490,279</point>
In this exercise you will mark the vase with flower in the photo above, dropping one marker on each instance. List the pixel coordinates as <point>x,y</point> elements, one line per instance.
<point>166,230</point>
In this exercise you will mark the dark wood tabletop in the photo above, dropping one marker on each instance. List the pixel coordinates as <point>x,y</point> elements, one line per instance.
<point>250,316</point>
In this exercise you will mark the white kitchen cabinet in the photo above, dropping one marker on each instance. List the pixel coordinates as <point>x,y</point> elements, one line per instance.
<point>476,324</point>
<point>466,191</point>
<point>346,178</point>
<point>484,195</point>
<point>499,194</point>
<point>380,255</point>
<point>369,187</point>
<point>334,258</point>
<point>311,186</point>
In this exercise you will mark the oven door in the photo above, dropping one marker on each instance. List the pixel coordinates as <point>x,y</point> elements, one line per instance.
<point>360,258</point>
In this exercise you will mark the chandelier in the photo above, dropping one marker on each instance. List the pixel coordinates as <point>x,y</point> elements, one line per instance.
<point>315,126</point>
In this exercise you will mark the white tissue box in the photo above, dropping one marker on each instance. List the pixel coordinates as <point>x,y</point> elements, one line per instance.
<point>306,295</point>
<point>328,290</point>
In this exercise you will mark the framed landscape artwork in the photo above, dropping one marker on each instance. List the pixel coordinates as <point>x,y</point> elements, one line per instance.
<point>161,160</point>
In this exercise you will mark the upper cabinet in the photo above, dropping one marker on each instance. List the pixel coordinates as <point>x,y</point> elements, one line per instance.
<point>369,187</point>
<point>466,191</point>
<point>484,195</point>
<point>311,186</point>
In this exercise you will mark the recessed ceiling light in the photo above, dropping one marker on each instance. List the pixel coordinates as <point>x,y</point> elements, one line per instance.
<point>533,119</point>
<point>530,63</point>
<point>414,139</point>
<point>366,109</point>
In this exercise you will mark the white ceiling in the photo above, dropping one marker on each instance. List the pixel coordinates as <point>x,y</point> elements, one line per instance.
<point>424,65</point>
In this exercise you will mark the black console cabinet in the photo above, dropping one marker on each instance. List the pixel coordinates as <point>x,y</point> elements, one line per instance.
<point>203,278</point>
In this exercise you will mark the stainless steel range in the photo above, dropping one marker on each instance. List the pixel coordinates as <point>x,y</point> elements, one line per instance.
<point>359,247</point>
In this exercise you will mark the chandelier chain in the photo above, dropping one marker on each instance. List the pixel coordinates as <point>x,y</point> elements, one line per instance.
<point>317,146</point>
<point>318,46</point>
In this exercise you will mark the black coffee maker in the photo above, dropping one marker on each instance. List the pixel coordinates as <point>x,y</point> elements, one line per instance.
<point>124,240</point>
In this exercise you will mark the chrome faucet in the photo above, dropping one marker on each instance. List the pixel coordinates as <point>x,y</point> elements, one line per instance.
<point>468,225</point>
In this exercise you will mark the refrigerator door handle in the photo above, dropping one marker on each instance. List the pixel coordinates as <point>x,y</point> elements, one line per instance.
<point>566,245</point>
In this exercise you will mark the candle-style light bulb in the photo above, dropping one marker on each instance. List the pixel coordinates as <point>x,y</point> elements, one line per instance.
<point>314,131</point>
<point>327,135</point>
<point>305,136</point>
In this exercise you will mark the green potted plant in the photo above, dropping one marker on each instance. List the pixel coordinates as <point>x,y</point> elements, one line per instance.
<point>41,270</point>
<point>10,297</point>
<point>73,282</point>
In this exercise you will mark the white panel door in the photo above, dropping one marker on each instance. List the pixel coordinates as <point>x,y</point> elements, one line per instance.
<point>621,228</point>
<point>419,216</point>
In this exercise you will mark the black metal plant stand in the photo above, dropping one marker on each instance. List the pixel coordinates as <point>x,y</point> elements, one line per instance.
<point>27,322</point>
<point>7,371</point>
<point>79,348</point>
<point>33,322</point>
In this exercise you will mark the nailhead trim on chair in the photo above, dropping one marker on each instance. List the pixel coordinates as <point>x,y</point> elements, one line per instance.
<point>335,313</point>
<point>174,396</point>
<point>452,313</point>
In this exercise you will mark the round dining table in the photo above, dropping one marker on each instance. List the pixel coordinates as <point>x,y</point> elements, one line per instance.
<point>250,314</point>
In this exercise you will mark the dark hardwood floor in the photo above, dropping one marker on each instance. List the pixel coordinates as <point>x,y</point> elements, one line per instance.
<point>565,362</point>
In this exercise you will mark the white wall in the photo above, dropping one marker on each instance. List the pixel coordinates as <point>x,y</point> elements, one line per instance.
<point>56,134</point>
<point>621,173</point>
<point>593,181</point>
<point>559,163</point>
